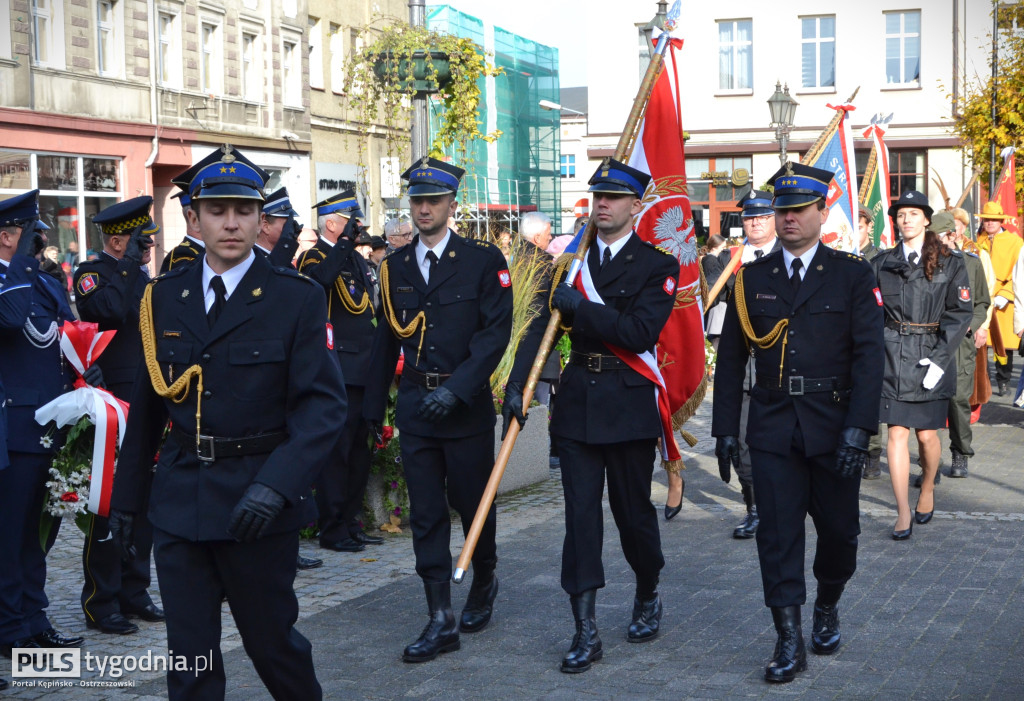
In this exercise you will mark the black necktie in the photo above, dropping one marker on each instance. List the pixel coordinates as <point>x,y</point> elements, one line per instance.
<point>431,264</point>
<point>220,297</point>
<point>794,279</point>
<point>607,257</point>
<point>913,259</point>
<point>758,253</point>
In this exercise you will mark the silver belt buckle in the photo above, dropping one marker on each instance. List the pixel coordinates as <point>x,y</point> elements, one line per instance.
<point>432,380</point>
<point>796,386</point>
<point>204,449</point>
<point>593,362</point>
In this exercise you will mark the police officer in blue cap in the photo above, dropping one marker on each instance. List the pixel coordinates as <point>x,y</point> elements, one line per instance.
<point>447,303</point>
<point>279,229</point>
<point>606,420</point>
<point>108,291</point>
<point>237,356</point>
<point>191,247</point>
<point>812,318</point>
<point>32,308</point>
<point>342,272</point>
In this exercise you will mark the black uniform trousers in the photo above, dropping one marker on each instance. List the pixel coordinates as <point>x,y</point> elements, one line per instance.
<point>630,466</point>
<point>112,584</point>
<point>788,487</point>
<point>23,599</point>
<point>258,580</point>
<point>342,483</point>
<point>463,465</point>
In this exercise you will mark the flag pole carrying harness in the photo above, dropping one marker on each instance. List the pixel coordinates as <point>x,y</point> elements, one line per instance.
<point>769,339</point>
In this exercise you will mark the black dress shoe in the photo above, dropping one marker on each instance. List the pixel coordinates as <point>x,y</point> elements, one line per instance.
<point>479,606</point>
<point>112,624</point>
<point>903,535</point>
<point>646,619</point>
<point>366,539</point>
<point>344,546</point>
<point>51,638</point>
<point>150,612</point>
<point>790,656</point>
<point>825,636</point>
<point>308,563</point>
<point>441,633</point>
<point>747,528</point>
<point>586,644</point>
<point>922,517</point>
<point>6,650</point>
<point>672,511</point>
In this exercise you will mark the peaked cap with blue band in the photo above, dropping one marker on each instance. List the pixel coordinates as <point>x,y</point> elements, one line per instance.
<point>757,203</point>
<point>798,185</point>
<point>344,204</point>
<point>123,217</point>
<point>20,208</point>
<point>430,176</point>
<point>615,177</point>
<point>279,205</point>
<point>185,200</point>
<point>225,173</point>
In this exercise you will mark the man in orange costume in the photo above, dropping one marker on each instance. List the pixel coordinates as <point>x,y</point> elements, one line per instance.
<point>1004,247</point>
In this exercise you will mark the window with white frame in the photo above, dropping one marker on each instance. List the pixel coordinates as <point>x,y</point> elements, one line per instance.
<point>903,48</point>
<point>568,165</point>
<point>168,65</point>
<point>210,70</point>
<point>316,54</point>
<point>818,52</point>
<point>5,37</point>
<point>290,8</point>
<point>110,37</point>
<point>736,54</point>
<point>48,33</point>
<point>336,46</point>
<point>252,75</point>
<point>292,68</point>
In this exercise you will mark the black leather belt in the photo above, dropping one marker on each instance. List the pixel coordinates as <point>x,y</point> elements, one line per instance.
<point>797,385</point>
<point>595,362</point>
<point>430,380</point>
<point>211,448</point>
<point>905,328</point>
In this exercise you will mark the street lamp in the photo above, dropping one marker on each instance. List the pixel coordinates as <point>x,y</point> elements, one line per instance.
<point>554,106</point>
<point>783,110</point>
<point>657,22</point>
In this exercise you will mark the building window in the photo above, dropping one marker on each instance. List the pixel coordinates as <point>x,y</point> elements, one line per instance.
<point>908,170</point>
<point>109,23</point>
<point>903,48</point>
<point>292,73</point>
<point>209,59</point>
<point>735,54</point>
<point>316,54</point>
<point>818,52</point>
<point>251,74</point>
<point>169,56</point>
<point>337,49</point>
<point>5,37</point>
<point>42,31</point>
<point>568,165</point>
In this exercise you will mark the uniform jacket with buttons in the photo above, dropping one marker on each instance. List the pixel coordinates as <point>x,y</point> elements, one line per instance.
<point>834,331</point>
<point>108,292</point>
<point>910,297</point>
<point>618,405</point>
<point>467,308</point>
<point>33,375</point>
<point>340,264</point>
<point>266,368</point>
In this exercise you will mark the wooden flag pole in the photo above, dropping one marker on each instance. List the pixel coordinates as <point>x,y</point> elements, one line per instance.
<point>622,151</point>
<point>819,143</point>
<point>967,190</point>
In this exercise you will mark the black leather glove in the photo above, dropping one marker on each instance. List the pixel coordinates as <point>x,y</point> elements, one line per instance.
<point>32,241</point>
<point>137,245</point>
<point>566,299</point>
<point>94,376</point>
<point>512,406</point>
<point>351,230</point>
<point>852,452</point>
<point>291,230</point>
<point>437,405</point>
<point>727,450</point>
<point>122,530</point>
<point>258,507</point>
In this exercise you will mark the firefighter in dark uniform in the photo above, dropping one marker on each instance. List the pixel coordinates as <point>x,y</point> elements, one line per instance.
<point>447,305</point>
<point>812,317</point>
<point>334,264</point>
<point>32,308</point>
<point>191,247</point>
<point>278,239</point>
<point>606,419</point>
<point>108,291</point>
<point>237,356</point>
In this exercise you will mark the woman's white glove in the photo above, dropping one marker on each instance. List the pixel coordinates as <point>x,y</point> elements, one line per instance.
<point>934,374</point>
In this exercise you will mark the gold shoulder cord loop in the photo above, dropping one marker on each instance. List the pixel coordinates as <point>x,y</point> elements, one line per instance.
<point>347,301</point>
<point>769,339</point>
<point>178,391</point>
<point>389,313</point>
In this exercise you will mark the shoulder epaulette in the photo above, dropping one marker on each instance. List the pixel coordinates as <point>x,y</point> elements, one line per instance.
<point>484,244</point>
<point>657,248</point>
<point>173,272</point>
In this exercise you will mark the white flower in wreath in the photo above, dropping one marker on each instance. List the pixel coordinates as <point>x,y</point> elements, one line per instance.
<point>675,234</point>
<point>46,441</point>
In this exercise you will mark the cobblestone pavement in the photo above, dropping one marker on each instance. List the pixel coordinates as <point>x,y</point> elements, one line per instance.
<point>940,616</point>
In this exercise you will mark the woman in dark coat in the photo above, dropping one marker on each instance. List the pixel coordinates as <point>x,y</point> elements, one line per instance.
<point>713,265</point>
<point>926,293</point>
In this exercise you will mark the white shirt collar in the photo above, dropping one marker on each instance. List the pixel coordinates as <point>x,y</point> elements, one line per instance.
<point>195,241</point>
<point>262,249</point>
<point>907,250</point>
<point>615,247</point>
<point>750,252</point>
<point>805,259</point>
<point>421,251</point>
<point>327,241</point>
<point>231,278</point>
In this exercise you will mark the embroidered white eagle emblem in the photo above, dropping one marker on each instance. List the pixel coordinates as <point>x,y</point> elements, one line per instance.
<point>675,235</point>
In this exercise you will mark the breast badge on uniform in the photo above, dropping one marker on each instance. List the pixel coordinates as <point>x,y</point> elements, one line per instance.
<point>504,278</point>
<point>965,294</point>
<point>87,283</point>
